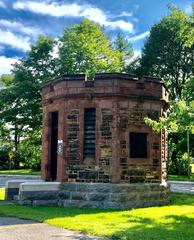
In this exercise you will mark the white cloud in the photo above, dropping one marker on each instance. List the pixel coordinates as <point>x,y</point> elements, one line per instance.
<point>125,14</point>
<point>2,4</point>
<point>188,8</point>
<point>14,41</point>
<point>139,37</point>
<point>19,27</point>
<point>73,10</point>
<point>5,64</point>
<point>136,54</point>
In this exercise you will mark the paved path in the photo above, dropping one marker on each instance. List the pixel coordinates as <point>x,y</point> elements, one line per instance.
<point>17,229</point>
<point>5,178</point>
<point>184,187</point>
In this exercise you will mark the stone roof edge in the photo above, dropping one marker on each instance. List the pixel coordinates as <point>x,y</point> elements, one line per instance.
<point>104,76</point>
<point>67,77</point>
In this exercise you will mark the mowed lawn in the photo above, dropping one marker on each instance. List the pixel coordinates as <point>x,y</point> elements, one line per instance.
<point>2,193</point>
<point>20,172</point>
<point>175,221</point>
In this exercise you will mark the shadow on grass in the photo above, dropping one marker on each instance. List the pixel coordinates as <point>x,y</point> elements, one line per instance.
<point>175,222</point>
<point>174,228</point>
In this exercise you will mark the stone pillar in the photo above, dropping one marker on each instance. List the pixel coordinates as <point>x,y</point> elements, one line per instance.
<point>115,168</point>
<point>61,164</point>
<point>45,145</point>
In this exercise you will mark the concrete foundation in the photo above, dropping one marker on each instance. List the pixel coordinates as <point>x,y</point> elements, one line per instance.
<point>12,188</point>
<point>94,195</point>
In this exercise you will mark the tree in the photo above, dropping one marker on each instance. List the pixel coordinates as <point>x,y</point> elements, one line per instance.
<point>134,66</point>
<point>20,101</point>
<point>124,47</point>
<point>168,52</point>
<point>180,118</point>
<point>84,48</point>
<point>188,91</point>
<point>180,125</point>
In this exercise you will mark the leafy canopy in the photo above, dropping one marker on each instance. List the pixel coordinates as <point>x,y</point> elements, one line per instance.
<point>168,52</point>
<point>84,48</point>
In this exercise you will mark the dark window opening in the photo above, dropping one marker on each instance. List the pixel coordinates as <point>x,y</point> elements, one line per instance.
<point>89,132</point>
<point>138,145</point>
<point>53,153</point>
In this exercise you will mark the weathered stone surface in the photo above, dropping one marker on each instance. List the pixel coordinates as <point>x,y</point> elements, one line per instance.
<point>10,193</point>
<point>121,102</point>
<point>99,195</point>
<point>37,195</point>
<point>45,202</point>
<point>12,187</point>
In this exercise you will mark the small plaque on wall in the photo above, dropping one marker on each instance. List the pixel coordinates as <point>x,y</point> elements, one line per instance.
<point>60,146</point>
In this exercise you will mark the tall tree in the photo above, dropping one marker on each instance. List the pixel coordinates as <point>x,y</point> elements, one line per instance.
<point>83,48</point>
<point>20,101</point>
<point>125,48</point>
<point>86,49</point>
<point>169,50</point>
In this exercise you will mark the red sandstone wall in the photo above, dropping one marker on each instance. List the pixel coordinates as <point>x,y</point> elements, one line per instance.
<point>121,106</point>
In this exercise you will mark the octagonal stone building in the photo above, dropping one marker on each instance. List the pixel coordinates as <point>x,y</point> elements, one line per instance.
<point>95,140</point>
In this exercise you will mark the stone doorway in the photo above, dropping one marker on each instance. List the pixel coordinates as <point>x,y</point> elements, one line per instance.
<point>53,148</point>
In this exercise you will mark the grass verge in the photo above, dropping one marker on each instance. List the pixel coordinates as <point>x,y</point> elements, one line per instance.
<point>2,193</point>
<point>20,172</point>
<point>181,178</point>
<point>175,221</point>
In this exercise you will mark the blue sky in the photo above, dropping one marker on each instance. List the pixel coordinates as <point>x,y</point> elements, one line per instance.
<point>22,21</point>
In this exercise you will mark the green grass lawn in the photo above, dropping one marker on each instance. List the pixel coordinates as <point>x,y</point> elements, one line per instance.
<point>175,221</point>
<point>20,172</point>
<point>2,193</point>
<point>181,178</point>
<point>192,168</point>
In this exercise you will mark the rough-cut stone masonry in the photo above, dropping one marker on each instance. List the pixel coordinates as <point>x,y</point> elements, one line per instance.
<point>121,102</point>
<point>94,195</point>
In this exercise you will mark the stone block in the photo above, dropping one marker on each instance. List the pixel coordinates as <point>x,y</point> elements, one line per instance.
<point>79,196</point>
<point>45,202</point>
<point>63,194</point>
<point>12,187</point>
<point>38,195</point>
<point>68,186</point>
<point>98,196</point>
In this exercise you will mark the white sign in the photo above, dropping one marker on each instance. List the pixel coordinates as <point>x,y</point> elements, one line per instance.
<point>60,146</point>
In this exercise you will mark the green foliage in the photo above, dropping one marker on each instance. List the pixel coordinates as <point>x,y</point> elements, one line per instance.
<point>5,162</point>
<point>134,67</point>
<point>168,52</point>
<point>84,48</point>
<point>180,165</point>
<point>30,149</point>
<point>180,118</point>
<point>125,48</point>
<point>6,80</point>
<point>20,101</point>
<point>188,91</point>
<point>179,121</point>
